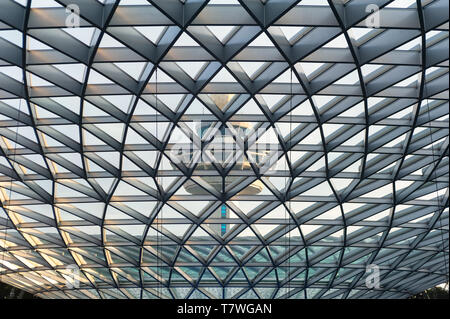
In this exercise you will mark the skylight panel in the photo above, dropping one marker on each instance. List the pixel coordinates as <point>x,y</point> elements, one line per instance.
<point>133,69</point>
<point>430,34</point>
<point>44,4</point>
<point>413,44</point>
<point>303,109</point>
<point>161,76</point>
<point>330,129</point>
<point>35,80</point>
<point>359,33</point>
<point>33,44</point>
<point>339,42</point>
<point>310,69</point>
<point>380,192</point>
<point>122,102</point>
<point>71,131</point>
<point>115,130</point>
<point>408,81</point>
<point>221,2</point>
<point>396,142</point>
<point>286,77</point>
<point>23,3</point>
<point>13,36</point>
<point>222,32</point>
<point>13,72</point>
<point>273,100</point>
<point>97,78</point>
<point>250,108</point>
<point>70,102</point>
<point>109,42</point>
<point>192,68</point>
<point>125,116</point>
<point>76,70</point>
<point>223,76</point>
<point>291,33</point>
<point>357,139</point>
<point>43,113</point>
<point>355,110</point>
<point>153,33</point>
<point>90,110</point>
<point>373,129</point>
<point>353,168</point>
<point>252,68</point>
<point>83,34</point>
<point>314,138</point>
<point>401,4</point>
<point>322,189</point>
<point>405,113</point>
<point>321,100</point>
<point>185,41</point>
<point>431,70</point>
<point>313,3</point>
<point>368,69</point>
<point>171,100</point>
<point>349,79</point>
<point>133,3</point>
<point>261,41</point>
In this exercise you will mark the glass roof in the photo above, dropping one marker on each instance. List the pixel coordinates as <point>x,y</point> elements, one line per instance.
<point>223,149</point>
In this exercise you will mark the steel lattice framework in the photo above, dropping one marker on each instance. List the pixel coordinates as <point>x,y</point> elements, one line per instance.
<point>357,112</point>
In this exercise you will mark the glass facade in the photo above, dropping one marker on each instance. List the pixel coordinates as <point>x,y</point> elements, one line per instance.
<point>224,148</point>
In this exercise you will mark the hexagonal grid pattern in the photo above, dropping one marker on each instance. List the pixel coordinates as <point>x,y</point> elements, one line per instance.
<point>359,116</point>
